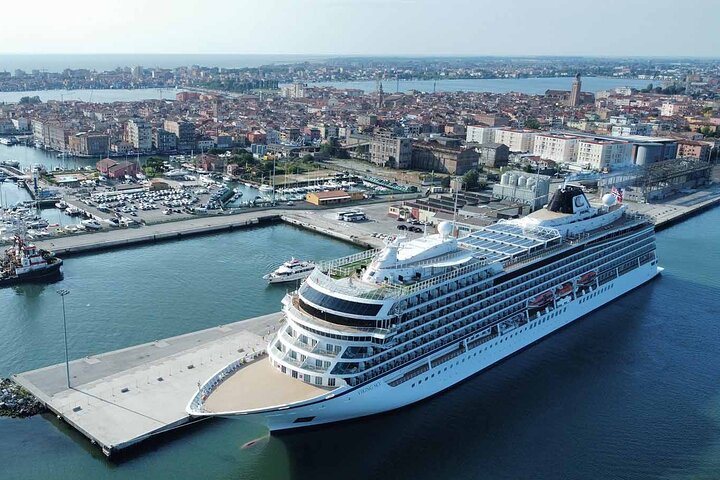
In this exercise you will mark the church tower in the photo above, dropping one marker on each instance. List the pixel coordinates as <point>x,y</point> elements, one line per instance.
<point>381,99</point>
<point>574,100</point>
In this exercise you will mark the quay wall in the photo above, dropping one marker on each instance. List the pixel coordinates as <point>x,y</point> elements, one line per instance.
<point>182,231</point>
<point>691,212</point>
<point>325,231</point>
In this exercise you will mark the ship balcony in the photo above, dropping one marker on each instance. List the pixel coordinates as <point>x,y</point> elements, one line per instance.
<point>323,352</point>
<point>296,342</point>
<point>311,367</point>
<point>315,353</point>
<point>358,352</point>
<point>308,364</point>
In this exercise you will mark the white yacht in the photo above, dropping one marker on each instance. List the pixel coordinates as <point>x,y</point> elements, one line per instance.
<point>290,271</point>
<point>382,329</point>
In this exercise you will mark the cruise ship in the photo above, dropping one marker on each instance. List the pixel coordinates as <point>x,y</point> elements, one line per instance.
<point>382,329</point>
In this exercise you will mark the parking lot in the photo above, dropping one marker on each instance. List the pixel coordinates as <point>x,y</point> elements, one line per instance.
<point>378,225</point>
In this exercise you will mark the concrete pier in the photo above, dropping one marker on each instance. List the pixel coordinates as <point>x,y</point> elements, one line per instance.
<point>120,398</point>
<point>125,237</point>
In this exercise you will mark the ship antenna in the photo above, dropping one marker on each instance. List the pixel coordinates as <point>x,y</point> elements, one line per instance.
<point>455,183</point>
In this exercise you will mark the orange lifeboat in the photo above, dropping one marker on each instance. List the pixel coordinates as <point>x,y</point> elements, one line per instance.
<point>564,290</point>
<point>542,300</point>
<point>587,278</point>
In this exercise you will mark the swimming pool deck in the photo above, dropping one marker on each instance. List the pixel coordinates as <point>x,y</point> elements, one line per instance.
<point>120,398</point>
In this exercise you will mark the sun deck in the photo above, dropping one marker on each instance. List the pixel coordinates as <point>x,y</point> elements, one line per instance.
<point>259,385</point>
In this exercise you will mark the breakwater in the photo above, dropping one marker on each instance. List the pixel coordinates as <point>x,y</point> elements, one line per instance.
<point>15,401</point>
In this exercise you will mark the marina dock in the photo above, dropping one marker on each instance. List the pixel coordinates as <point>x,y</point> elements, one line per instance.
<point>173,230</point>
<point>120,398</point>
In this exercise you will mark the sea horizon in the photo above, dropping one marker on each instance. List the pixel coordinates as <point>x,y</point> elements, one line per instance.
<point>57,62</point>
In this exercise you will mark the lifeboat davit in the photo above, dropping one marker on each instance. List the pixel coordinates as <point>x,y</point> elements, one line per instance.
<point>564,290</point>
<point>542,300</point>
<point>587,278</point>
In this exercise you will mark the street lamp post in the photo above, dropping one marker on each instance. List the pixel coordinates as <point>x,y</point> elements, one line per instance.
<point>62,294</point>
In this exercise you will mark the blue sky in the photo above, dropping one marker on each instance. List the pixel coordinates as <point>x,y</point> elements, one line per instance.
<point>365,27</point>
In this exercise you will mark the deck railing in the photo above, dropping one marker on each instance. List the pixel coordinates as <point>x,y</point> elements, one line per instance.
<point>198,401</point>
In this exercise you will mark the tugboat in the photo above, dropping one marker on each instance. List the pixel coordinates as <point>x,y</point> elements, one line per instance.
<point>289,271</point>
<point>24,262</point>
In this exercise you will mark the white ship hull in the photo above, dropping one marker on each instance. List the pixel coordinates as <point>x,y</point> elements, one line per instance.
<point>287,278</point>
<point>378,396</point>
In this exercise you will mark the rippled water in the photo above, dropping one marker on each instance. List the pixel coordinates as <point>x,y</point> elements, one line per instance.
<point>629,392</point>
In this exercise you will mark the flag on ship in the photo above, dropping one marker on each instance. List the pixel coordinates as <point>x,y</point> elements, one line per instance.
<point>618,194</point>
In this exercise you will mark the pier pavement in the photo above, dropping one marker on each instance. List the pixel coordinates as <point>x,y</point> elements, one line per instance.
<point>680,207</point>
<point>120,398</point>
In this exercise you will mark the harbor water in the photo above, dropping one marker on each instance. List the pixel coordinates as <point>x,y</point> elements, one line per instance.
<point>28,156</point>
<point>530,86</point>
<point>108,95</point>
<point>630,391</point>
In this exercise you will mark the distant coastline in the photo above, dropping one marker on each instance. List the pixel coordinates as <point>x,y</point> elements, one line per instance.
<point>530,86</point>
<point>57,63</point>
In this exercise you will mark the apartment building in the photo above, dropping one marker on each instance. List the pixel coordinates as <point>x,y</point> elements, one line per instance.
<point>139,134</point>
<point>433,156</point>
<point>390,150</point>
<point>603,154</point>
<point>184,132</point>
<point>559,148</point>
<point>480,134</point>
<point>517,140</point>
